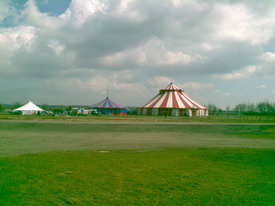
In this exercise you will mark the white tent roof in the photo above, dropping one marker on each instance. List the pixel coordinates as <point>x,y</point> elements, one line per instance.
<point>29,107</point>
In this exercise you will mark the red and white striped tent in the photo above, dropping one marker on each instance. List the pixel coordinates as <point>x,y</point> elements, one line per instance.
<point>172,101</point>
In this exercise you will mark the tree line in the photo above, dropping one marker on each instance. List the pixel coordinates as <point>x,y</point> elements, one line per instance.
<point>261,108</point>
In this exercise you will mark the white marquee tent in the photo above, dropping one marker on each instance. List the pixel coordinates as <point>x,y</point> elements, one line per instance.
<point>29,109</point>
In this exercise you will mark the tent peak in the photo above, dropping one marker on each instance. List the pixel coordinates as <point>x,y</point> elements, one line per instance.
<point>107,103</point>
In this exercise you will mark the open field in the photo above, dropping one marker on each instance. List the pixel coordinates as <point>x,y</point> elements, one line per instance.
<point>23,137</point>
<point>150,119</point>
<point>48,162</point>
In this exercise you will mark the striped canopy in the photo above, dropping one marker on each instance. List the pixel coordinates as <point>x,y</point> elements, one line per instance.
<point>108,103</point>
<point>172,97</point>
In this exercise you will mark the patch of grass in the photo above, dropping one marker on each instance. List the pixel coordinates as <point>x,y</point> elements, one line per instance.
<point>140,177</point>
<point>253,131</point>
<point>23,137</point>
<point>146,163</point>
<point>141,118</point>
<point>70,127</point>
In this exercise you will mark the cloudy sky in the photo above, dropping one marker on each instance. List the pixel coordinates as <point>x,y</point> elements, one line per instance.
<point>73,51</point>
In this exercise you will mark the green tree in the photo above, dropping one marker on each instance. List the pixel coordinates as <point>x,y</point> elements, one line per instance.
<point>212,108</point>
<point>241,107</point>
<point>1,107</point>
<point>16,105</point>
<point>69,108</point>
<point>251,107</point>
<point>264,107</point>
<point>45,107</point>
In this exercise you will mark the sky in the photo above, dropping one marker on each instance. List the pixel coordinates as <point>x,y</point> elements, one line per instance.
<point>72,52</point>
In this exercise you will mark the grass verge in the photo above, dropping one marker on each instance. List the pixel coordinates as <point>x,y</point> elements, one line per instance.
<point>207,176</point>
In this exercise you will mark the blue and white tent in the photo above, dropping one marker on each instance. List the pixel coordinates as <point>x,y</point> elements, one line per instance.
<point>107,106</point>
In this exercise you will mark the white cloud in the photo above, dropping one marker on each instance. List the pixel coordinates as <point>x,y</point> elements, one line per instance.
<point>260,87</point>
<point>126,10</point>
<point>120,81</point>
<point>5,10</point>
<point>268,57</point>
<point>238,22</point>
<point>178,57</point>
<point>35,18</point>
<point>160,81</point>
<point>190,5</point>
<point>61,83</point>
<point>206,46</point>
<point>222,93</point>
<point>124,75</point>
<point>56,47</point>
<point>241,74</point>
<point>81,10</point>
<point>196,85</point>
<point>134,56</point>
<point>17,37</point>
<point>128,45</point>
<point>153,53</point>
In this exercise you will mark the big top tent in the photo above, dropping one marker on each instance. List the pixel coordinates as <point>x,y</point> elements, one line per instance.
<point>172,101</point>
<point>28,109</point>
<point>107,106</point>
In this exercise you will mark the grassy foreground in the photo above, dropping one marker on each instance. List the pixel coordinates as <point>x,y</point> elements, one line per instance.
<point>140,177</point>
<point>88,163</point>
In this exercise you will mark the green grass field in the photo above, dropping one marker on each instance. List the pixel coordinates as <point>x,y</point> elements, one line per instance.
<point>138,118</point>
<point>136,163</point>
